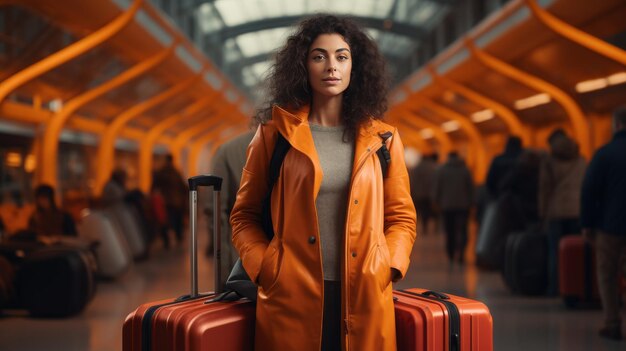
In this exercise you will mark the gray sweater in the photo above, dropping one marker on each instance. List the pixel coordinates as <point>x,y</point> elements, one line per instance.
<point>336,158</point>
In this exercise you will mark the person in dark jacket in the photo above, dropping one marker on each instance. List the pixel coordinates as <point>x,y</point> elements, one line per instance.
<point>503,164</point>
<point>421,190</point>
<point>523,183</point>
<point>453,194</point>
<point>170,183</point>
<point>48,219</point>
<point>560,179</point>
<point>228,164</point>
<point>603,218</point>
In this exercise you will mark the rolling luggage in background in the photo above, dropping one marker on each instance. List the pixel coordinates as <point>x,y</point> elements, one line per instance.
<point>51,281</point>
<point>502,216</point>
<point>526,263</point>
<point>577,272</point>
<point>128,225</point>
<point>56,282</point>
<point>7,282</point>
<point>431,321</point>
<point>112,253</point>
<point>193,322</point>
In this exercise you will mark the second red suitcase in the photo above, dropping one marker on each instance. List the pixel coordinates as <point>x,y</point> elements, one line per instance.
<point>432,321</point>
<point>193,322</point>
<point>577,273</point>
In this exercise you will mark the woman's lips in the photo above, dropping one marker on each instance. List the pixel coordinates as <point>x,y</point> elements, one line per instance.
<point>331,81</point>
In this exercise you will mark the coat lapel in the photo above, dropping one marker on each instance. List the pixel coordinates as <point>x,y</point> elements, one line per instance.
<point>294,126</point>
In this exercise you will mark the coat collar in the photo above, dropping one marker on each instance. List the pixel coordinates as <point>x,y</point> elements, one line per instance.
<point>294,126</point>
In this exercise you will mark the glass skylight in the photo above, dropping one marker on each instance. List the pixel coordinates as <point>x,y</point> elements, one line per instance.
<point>263,41</point>
<point>245,54</point>
<point>244,11</point>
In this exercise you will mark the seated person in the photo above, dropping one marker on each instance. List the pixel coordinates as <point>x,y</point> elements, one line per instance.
<point>48,219</point>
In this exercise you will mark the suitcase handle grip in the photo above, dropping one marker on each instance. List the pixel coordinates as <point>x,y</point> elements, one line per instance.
<point>436,294</point>
<point>205,180</point>
<point>194,183</point>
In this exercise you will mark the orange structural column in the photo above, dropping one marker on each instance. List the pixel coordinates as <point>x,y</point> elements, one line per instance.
<point>415,121</point>
<point>106,148</point>
<point>576,35</point>
<point>48,160</point>
<point>508,117</point>
<point>147,143</point>
<point>478,159</point>
<point>183,138</point>
<point>574,112</point>
<point>415,138</point>
<point>412,138</point>
<point>217,139</point>
<point>70,52</point>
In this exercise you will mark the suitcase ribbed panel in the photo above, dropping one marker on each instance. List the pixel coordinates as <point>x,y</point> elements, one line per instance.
<point>423,323</point>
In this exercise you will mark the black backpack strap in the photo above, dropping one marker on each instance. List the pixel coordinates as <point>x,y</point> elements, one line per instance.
<point>280,151</point>
<point>383,153</point>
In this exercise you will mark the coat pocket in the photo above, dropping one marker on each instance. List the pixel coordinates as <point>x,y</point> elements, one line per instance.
<point>384,274</point>
<point>270,266</point>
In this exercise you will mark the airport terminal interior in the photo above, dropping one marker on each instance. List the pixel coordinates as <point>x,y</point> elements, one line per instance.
<point>108,106</point>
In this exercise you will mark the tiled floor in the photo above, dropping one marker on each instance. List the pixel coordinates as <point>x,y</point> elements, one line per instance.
<point>520,323</point>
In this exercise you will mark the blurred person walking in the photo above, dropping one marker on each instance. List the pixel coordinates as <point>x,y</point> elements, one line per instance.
<point>170,184</point>
<point>422,179</point>
<point>453,193</point>
<point>560,179</point>
<point>115,189</point>
<point>603,219</point>
<point>228,163</point>
<point>502,165</point>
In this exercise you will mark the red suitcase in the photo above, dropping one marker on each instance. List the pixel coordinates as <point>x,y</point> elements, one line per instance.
<point>431,321</point>
<point>193,322</point>
<point>577,273</point>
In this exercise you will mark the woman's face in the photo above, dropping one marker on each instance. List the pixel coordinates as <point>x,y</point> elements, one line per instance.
<point>329,65</point>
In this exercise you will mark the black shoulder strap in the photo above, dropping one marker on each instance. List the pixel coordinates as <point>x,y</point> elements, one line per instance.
<point>278,155</point>
<point>280,151</point>
<point>383,153</point>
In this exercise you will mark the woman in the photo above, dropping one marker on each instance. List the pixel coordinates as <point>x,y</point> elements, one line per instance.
<point>343,230</point>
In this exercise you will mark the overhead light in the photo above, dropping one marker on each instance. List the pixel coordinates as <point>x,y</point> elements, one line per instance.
<point>55,105</point>
<point>601,83</point>
<point>591,85</point>
<point>617,78</point>
<point>482,116</point>
<point>30,163</point>
<point>427,133</point>
<point>14,159</point>
<point>450,126</point>
<point>532,101</point>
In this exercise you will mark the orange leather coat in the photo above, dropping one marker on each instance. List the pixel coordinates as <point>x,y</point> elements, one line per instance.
<point>379,234</point>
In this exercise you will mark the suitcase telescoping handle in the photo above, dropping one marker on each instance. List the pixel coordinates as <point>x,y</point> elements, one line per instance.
<point>194,183</point>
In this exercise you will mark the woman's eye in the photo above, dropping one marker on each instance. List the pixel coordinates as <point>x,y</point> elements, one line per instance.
<point>318,57</point>
<point>342,58</point>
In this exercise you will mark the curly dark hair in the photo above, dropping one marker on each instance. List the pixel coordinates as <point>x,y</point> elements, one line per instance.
<point>288,83</point>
